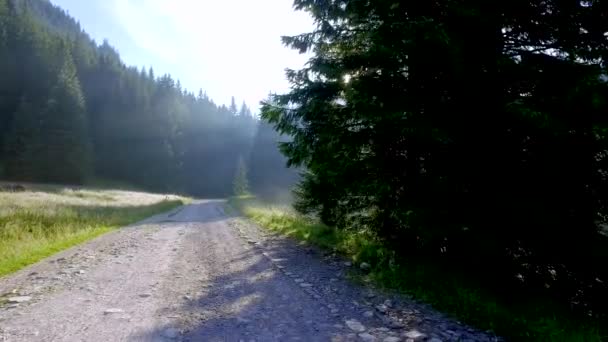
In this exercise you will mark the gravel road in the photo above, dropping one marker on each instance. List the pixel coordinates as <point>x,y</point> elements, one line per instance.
<point>200,274</point>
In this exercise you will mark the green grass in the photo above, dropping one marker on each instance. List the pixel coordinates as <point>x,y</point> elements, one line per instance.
<point>47,219</point>
<point>444,289</point>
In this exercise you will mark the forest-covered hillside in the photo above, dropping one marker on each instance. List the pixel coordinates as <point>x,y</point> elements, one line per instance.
<point>72,111</point>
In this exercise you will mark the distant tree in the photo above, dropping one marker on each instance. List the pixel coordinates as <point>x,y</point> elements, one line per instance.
<point>268,172</point>
<point>232,108</point>
<point>22,143</point>
<point>65,129</point>
<point>244,111</point>
<point>241,183</point>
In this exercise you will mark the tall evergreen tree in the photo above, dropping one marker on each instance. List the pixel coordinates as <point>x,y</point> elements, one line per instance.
<point>64,129</point>
<point>22,143</point>
<point>233,109</point>
<point>456,129</point>
<point>244,111</point>
<point>241,183</point>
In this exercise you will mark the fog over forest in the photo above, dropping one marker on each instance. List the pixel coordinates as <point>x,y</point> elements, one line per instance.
<point>74,113</point>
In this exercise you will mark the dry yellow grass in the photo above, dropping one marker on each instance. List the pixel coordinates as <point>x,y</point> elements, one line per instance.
<point>46,219</point>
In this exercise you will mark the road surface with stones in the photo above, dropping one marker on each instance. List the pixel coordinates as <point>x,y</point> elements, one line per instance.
<point>200,274</point>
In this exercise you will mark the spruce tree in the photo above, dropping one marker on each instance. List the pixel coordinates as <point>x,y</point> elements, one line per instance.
<point>462,130</point>
<point>241,183</point>
<point>233,109</point>
<point>23,144</point>
<point>65,128</point>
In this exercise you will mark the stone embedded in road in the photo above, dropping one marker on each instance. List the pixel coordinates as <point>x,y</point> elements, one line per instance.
<point>171,333</point>
<point>415,335</point>
<point>113,311</point>
<point>382,308</point>
<point>19,299</point>
<point>355,325</point>
<point>392,339</point>
<point>243,321</point>
<point>365,337</point>
<point>396,325</point>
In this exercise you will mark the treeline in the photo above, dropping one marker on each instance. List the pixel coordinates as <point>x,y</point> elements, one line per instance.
<point>470,133</point>
<point>72,111</point>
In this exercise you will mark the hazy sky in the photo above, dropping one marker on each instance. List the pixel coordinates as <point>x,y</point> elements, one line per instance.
<point>225,47</point>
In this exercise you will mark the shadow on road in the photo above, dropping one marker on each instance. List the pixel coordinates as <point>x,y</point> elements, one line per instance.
<point>246,297</point>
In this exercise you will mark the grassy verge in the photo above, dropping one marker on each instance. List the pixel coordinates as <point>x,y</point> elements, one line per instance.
<point>47,219</point>
<point>444,289</point>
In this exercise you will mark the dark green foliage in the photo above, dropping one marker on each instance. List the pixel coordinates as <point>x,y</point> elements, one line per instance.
<point>63,136</point>
<point>469,132</point>
<point>70,110</point>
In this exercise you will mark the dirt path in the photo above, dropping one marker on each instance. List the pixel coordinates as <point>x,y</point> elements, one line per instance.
<point>198,274</point>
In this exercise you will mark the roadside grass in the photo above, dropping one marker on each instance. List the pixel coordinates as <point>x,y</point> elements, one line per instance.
<point>444,289</point>
<point>46,219</point>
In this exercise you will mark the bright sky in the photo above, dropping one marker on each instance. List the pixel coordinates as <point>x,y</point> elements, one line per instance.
<point>226,47</point>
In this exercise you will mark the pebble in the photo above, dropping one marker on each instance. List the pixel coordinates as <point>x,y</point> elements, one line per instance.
<point>171,333</point>
<point>20,299</point>
<point>382,308</point>
<point>388,303</point>
<point>241,320</point>
<point>368,314</point>
<point>435,339</point>
<point>348,263</point>
<point>145,295</point>
<point>367,337</point>
<point>392,339</point>
<point>355,325</point>
<point>415,335</point>
<point>365,266</point>
<point>113,311</point>
<point>396,325</point>
<point>305,285</point>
